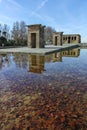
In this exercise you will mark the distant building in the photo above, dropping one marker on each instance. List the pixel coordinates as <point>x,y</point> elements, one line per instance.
<point>60,39</point>
<point>71,38</point>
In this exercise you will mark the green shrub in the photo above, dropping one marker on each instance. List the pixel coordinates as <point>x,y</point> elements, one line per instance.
<point>3,40</point>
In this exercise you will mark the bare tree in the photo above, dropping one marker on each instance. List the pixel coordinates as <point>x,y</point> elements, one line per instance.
<point>4,31</point>
<point>48,33</point>
<point>0,29</point>
<point>23,32</point>
<point>15,32</point>
<point>19,32</point>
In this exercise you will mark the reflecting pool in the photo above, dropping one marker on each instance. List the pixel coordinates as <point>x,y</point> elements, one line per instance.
<point>43,92</point>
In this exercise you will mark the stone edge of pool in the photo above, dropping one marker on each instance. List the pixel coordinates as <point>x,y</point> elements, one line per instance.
<point>47,50</point>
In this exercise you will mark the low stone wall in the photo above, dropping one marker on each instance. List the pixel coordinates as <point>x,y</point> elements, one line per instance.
<point>6,47</point>
<point>83,44</point>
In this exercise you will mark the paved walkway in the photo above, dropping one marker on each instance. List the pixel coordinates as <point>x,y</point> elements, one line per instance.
<point>46,50</point>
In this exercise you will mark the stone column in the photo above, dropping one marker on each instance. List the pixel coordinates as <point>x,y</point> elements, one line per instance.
<point>78,39</point>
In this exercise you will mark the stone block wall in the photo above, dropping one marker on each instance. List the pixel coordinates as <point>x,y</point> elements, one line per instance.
<point>71,38</point>
<point>57,38</point>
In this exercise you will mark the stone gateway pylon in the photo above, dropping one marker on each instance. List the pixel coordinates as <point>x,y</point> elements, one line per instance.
<point>36,36</point>
<point>57,38</point>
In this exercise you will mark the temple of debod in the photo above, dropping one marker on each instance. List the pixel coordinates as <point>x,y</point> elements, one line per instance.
<point>37,45</point>
<point>36,37</point>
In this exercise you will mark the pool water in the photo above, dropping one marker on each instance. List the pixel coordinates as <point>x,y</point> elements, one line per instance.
<point>43,92</point>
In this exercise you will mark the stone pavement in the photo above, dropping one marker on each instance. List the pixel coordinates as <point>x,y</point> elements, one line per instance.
<point>48,49</point>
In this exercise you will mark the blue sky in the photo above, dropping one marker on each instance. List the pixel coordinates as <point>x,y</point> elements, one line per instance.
<point>69,16</point>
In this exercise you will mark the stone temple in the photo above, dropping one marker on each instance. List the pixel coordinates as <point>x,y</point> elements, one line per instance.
<point>60,39</point>
<point>36,37</point>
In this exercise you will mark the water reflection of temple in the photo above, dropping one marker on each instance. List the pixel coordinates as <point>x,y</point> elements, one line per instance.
<point>36,63</point>
<point>57,57</point>
<point>71,53</point>
<point>54,57</point>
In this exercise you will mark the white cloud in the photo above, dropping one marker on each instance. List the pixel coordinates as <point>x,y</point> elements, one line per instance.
<point>42,4</point>
<point>11,11</point>
<point>14,3</point>
<point>69,28</point>
<point>4,19</point>
<point>44,18</point>
<point>37,15</point>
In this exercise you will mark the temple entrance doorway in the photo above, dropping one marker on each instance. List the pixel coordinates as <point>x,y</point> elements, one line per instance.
<point>55,40</point>
<point>68,39</point>
<point>33,40</point>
